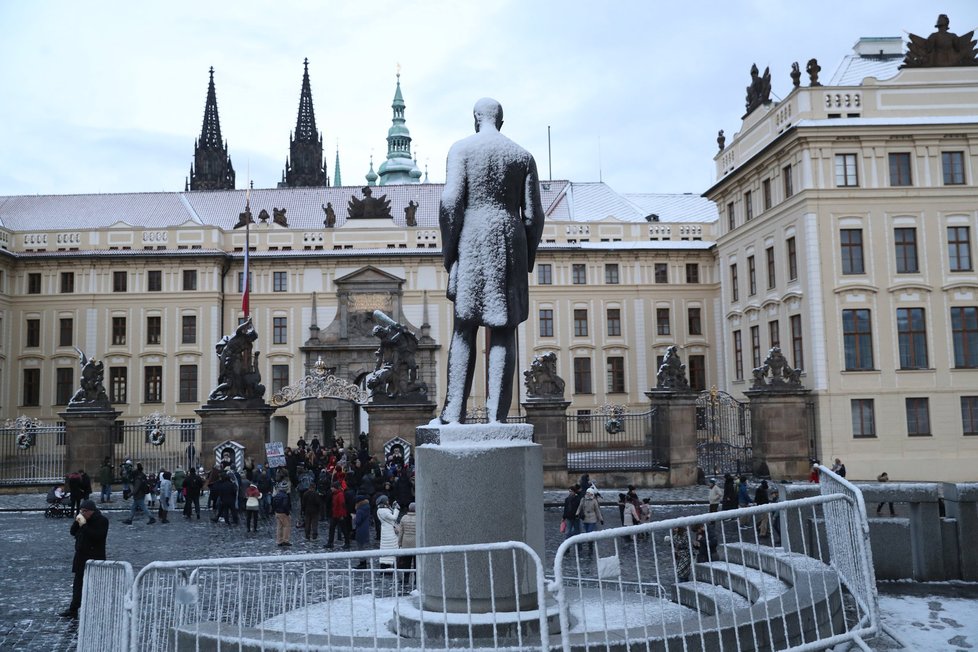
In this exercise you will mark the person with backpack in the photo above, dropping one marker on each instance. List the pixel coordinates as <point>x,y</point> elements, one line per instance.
<point>282,508</point>
<point>140,487</point>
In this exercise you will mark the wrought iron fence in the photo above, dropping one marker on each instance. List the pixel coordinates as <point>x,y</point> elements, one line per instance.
<point>31,452</point>
<point>158,442</point>
<point>723,434</point>
<point>612,439</point>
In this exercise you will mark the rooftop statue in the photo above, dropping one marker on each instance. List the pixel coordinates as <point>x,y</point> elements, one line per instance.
<point>491,220</point>
<point>795,75</point>
<point>672,372</point>
<point>410,213</point>
<point>330,220</point>
<point>395,375</point>
<point>721,140</point>
<point>541,379</point>
<point>942,48</point>
<point>91,392</point>
<point>370,207</point>
<point>812,68</point>
<point>759,91</point>
<point>238,375</point>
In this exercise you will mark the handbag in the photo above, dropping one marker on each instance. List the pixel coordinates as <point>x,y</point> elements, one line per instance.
<point>609,568</point>
<point>563,525</point>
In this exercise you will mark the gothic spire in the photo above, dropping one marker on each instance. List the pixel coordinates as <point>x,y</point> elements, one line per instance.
<point>305,167</point>
<point>211,169</point>
<point>398,168</point>
<point>337,181</point>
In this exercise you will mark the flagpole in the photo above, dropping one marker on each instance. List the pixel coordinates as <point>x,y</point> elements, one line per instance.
<point>245,307</point>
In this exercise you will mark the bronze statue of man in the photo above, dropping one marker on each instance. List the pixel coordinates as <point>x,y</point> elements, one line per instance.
<point>491,220</point>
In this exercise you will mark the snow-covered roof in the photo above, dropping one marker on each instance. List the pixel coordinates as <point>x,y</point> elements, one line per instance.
<point>685,207</point>
<point>855,68</point>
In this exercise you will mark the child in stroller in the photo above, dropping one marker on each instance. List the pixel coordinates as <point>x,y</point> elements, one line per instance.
<point>59,502</point>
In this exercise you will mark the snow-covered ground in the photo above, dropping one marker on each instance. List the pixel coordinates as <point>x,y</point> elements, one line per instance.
<point>925,623</point>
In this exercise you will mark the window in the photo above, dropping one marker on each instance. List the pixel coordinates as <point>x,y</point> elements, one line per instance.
<point>153,388</point>
<point>748,207</point>
<point>918,417</point>
<point>792,259</point>
<point>959,248</point>
<point>900,169</point>
<point>755,345</point>
<point>788,186</point>
<point>614,322</point>
<point>66,328</point>
<point>64,385</point>
<point>662,321</point>
<point>772,279</point>
<point>580,322</point>
<point>694,321</point>
<point>32,387</point>
<point>119,331</point>
<point>67,282</point>
<point>33,332</point>
<point>797,343</point>
<point>912,336</point>
<point>188,383</point>
<point>154,329</point>
<point>751,276</point>
<point>582,375</point>
<point>545,274</point>
<point>734,285</point>
<point>119,281</point>
<point>905,241</point>
<point>964,333</point>
<point>863,418</point>
<point>616,375</point>
<point>852,251</point>
<point>731,217</point>
<point>845,170</point>
<point>969,415</point>
<point>280,377</point>
<point>154,280</point>
<point>251,284</point>
<point>774,333</point>
<point>118,384</point>
<point>280,282</point>
<point>697,372</point>
<point>953,165</point>
<point>279,330</point>
<point>189,280</point>
<point>578,274</point>
<point>34,283</point>
<point>766,192</point>
<point>611,274</point>
<point>546,322</point>
<point>738,356</point>
<point>188,329</point>
<point>661,273</point>
<point>583,421</point>
<point>857,337</point>
<point>692,273</point>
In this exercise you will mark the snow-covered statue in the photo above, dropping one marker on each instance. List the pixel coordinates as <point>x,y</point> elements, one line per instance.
<point>491,220</point>
<point>91,392</point>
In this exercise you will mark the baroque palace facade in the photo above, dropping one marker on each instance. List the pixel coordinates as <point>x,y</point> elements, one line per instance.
<point>844,235</point>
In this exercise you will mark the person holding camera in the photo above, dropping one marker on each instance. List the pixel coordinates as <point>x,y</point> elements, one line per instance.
<point>90,529</point>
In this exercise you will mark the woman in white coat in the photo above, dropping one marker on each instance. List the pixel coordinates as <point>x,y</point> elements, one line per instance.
<point>388,537</point>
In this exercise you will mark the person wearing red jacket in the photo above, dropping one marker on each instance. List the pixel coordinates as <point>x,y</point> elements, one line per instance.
<point>338,517</point>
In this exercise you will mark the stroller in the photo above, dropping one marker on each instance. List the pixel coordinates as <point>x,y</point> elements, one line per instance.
<point>59,503</point>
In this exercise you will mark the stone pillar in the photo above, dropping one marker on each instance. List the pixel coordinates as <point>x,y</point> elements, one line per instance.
<point>675,433</point>
<point>549,421</point>
<point>244,422</point>
<point>780,432</point>
<point>390,420</point>
<point>478,483</point>
<point>961,503</point>
<point>88,438</point>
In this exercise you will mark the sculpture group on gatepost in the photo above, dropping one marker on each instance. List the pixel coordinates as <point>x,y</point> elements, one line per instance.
<point>395,375</point>
<point>672,372</point>
<point>91,393</point>
<point>541,379</point>
<point>775,374</point>
<point>238,375</point>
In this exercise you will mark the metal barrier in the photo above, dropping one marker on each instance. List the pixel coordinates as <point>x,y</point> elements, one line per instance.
<point>103,626</point>
<point>31,452</point>
<point>663,586</point>
<point>328,601</point>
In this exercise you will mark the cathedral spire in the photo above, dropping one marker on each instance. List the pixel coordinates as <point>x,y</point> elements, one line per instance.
<point>337,180</point>
<point>398,168</point>
<point>211,169</point>
<point>305,167</point>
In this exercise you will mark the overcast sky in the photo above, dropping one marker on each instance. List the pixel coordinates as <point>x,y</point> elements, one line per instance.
<point>108,97</point>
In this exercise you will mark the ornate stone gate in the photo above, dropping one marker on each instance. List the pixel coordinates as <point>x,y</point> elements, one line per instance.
<point>723,434</point>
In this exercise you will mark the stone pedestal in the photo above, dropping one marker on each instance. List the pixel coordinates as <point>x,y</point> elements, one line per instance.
<point>674,439</point>
<point>390,420</point>
<point>961,501</point>
<point>549,421</point>
<point>780,432</point>
<point>478,483</point>
<point>88,438</point>
<point>244,422</point>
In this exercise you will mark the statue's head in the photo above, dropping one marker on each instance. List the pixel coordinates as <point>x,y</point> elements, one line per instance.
<point>488,111</point>
<point>943,22</point>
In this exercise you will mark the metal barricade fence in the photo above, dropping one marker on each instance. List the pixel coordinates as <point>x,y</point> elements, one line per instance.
<point>40,463</point>
<point>103,626</point>
<point>329,601</point>
<point>722,581</point>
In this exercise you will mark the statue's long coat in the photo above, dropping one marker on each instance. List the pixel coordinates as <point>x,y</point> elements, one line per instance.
<point>491,220</point>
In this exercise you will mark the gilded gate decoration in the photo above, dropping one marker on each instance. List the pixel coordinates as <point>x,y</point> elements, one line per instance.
<point>723,434</point>
<point>319,384</point>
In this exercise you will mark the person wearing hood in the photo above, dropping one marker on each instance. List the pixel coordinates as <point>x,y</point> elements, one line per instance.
<point>729,493</point>
<point>90,529</point>
<point>716,496</point>
<point>388,537</point>
<point>590,510</point>
<point>361,525</point>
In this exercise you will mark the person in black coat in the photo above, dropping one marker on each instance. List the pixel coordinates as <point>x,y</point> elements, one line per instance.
<point>90,529</point>
<point>227,501</point>
<point>729,493</point>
